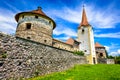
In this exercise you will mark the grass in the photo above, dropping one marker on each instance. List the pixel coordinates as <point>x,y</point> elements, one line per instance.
<point>85,72</point>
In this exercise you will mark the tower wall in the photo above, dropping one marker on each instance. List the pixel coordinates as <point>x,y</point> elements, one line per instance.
<point>35,27</point>
<point>85,36</point>
<point>84,41</point>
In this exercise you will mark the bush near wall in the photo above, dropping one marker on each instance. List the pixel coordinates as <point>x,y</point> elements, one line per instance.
<point>81,53</point>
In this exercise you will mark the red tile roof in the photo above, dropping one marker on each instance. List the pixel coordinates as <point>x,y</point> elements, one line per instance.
<point>84,21</point>
<point>70,41</point>
<point>98,45</point>
<point>38,11</point>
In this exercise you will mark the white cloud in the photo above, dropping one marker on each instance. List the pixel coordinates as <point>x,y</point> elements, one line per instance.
<point>107,48</point>
<point>113,49</point>
<point>97,18</point>
<point>62,38</point>
<point>65,31</point>
<point>109,35</point>
<point>116,53</point>
<point>7,21</point>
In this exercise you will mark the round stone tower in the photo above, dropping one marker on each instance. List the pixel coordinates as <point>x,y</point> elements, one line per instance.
<point>35,25</point>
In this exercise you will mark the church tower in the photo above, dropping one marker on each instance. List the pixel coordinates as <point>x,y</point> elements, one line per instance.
<point>86,39</point>
<point>35,25</point>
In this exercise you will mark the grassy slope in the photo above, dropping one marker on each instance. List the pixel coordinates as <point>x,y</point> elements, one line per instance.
<point>85,72</point>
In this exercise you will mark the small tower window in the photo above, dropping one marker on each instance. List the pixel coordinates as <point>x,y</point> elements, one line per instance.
<point>83,30</point>
<point>85,50</point>
<point>23,16</point>
<point>45,41</point>
<point>49,22</point>
<point>101,54</point>
<point>1,64</point>
<point>36,17</point>
<point>28,26</point>
<point>28,38</point>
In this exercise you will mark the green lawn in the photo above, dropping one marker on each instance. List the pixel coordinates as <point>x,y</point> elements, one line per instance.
<point>85,72</point>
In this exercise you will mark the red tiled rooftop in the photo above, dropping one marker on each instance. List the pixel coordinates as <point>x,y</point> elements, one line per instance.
<point>84,21</point>
<point>70,41</point>
<point>38,11</point>
<point>98,45</point>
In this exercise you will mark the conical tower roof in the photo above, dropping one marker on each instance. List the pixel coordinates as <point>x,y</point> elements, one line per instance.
<point>84,21</point>
<point>37,11</point>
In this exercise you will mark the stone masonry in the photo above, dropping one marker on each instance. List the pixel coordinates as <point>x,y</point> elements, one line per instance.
<point>21,58</point>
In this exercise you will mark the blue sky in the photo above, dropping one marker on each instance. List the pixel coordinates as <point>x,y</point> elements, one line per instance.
<point>103,15</point>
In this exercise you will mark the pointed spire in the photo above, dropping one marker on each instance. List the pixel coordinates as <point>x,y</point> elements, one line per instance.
<point>84,21</point>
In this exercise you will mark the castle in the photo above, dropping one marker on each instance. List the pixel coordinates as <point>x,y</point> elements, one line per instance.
<point>35,25</point>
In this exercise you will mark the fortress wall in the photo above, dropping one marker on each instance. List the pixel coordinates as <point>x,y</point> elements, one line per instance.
<point>21,58</point>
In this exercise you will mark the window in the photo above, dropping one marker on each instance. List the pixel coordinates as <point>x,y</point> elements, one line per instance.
<point>96,52</point>
<point>1,64</point>
<point>23,16</point>
<point>101,54</point>
<point>85,50</point>
<point>28,26</point>
<point>45,41</point>
<point>36,17</point>
<point>49,22</point>
<point>83,30</point>
<point>28,38</point>
<point>94,60</point>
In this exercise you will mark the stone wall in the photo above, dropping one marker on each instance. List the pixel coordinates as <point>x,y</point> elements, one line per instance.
<point>110,61</point>
<point>105,61</point>
<point>21,58</point>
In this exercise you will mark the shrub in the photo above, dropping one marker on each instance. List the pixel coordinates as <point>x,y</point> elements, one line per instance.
<point>81,53</point>
<point>4,55</point>
<point>36,73</point>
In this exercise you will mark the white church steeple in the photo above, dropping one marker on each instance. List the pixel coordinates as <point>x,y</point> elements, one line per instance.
<point>86,39</point>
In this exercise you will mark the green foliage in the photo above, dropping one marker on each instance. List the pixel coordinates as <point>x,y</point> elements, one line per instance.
<point>85,72</point>
<point>110,57</point>
<point>106,53</point>
<point>36,73</point>
<point>117,59</point>
<point>81,53</point>
<point>4,55</point>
